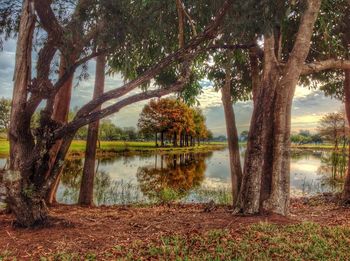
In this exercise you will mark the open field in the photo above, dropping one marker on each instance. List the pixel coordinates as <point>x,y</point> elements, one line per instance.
<point>78,147</point>
<point>317,229</point>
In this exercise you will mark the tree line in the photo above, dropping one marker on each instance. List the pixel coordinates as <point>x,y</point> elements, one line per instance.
<point>191,128</point>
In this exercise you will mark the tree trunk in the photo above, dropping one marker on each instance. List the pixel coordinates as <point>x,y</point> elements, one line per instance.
<point>232,137</point>
<point>266,176</point>
<point>60,114</point>
<point>20,137</point>
<point>156,139</point>
<point>30,209</point>
<point>175,140</point>
<point>162,138</point>
<point>346,191</point>
<point>21,199</point>
<point>87,182</point>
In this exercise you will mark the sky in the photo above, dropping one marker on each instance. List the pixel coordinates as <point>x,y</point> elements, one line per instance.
<point>308,106</point>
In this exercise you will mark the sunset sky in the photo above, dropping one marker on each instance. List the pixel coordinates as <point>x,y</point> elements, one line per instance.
<point>308,106</point>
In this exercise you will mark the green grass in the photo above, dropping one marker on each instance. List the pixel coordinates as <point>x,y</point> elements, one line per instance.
<point>262,241</point>
<point>307,241</point>
<point>313,146</point>
<point>123,146</point>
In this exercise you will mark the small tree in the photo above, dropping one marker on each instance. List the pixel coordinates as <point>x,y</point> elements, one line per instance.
<point>333,128</point>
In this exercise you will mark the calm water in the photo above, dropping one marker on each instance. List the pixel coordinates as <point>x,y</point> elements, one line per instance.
<point>197,177</point>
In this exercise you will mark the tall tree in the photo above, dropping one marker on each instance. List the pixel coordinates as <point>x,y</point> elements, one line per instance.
<point>31,176</point>
<point>265,183</point>
<point>231,76</point>
<point>87,182</point>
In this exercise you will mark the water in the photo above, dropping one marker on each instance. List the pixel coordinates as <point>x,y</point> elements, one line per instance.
<point>199,177</point>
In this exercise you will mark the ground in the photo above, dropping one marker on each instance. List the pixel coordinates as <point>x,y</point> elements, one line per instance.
<point>318,228</point>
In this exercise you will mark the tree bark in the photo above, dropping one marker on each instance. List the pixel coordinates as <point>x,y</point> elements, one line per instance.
<point>346,190</point>
<point>232,137</point>
<point>87,182</point>
<point>266,177</point>
<point>60,114</point>
<point>20,137</point>
<point>22,199</point>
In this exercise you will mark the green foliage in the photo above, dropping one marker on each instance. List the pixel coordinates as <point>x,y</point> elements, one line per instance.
<point>236,64</point>
<point>330,40</point>
<point>5,109</point>
<point>244,136</point>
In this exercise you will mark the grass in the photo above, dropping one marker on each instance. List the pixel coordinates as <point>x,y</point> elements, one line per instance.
<point>324,146</point>
<point>262,241</point>
<point>126,146</point>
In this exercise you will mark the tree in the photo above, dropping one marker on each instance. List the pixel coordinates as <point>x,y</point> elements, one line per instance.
<point>244,136</point>
<point>5,108</point>
<point>173,119</point>
<point>332,127</point>
<point>87,182</point>
<point>30,149</point>
<point>330,56</point>
<point>265,183</point>
<point>231,77</point>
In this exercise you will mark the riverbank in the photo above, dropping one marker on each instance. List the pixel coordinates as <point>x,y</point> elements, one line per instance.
<point>107,148</point>
<point>318,228</point>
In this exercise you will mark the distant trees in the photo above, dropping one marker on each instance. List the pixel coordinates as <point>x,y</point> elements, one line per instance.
<point>5,108</point>
<point>244,136</point>
<point>173,120</point>
<point>305,137</point>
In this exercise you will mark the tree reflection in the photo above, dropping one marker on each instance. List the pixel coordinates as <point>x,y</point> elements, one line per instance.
<point>70,180</point>
<point>174,177</point>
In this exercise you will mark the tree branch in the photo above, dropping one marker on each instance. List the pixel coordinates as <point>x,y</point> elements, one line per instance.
<point>48,19</point>
<point>209,33</point>
<point>319,66</point>
<point>231,46</point>
<point>95,116</point>
<point>192,22</point>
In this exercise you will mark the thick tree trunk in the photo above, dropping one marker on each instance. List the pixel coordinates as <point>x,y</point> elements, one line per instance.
<point>346,191</point>
<point>265,183</point>
<point>30,209</point>
<point>60,114</point>
<point>87,182</point>
<point>22,200</point>
<point>20,137</point>
<point>232,137</point>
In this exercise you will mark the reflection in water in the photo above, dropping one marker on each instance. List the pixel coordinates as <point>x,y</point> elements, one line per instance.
<point>334,163</point>
<point>174,178</point>
<point>190,177</point>
<point>310,174</point>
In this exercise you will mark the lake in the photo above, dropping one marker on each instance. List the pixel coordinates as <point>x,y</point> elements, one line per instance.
<point>191,177</point>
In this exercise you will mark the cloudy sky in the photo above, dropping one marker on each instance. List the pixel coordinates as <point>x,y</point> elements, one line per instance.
<point>308,106</point>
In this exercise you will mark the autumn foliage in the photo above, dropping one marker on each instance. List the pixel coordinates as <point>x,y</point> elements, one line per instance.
<point>174,121</point>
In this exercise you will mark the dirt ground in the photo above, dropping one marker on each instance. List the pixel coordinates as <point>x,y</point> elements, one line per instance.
<point>81,230</point>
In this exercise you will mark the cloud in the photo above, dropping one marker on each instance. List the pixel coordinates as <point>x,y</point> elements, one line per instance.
<point>309,105</point>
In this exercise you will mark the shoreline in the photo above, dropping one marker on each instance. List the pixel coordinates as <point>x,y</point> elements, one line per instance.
<point>113,148</point>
